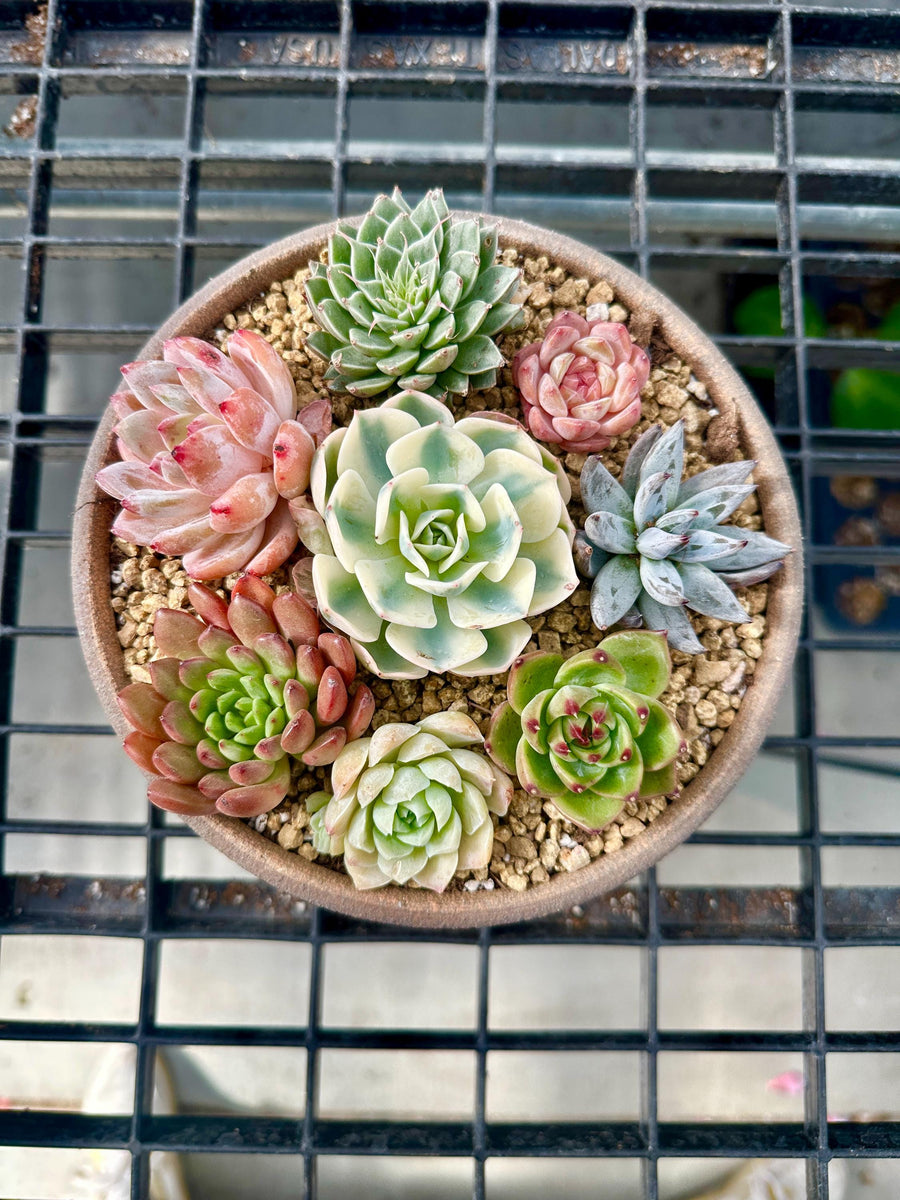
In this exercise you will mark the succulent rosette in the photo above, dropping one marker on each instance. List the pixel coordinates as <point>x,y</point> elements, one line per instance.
<point>589,732</point>
<point>434,540</point>
<point>581,384</point>
<point>413,803</point>
<point>411,299</point>
<point>212,446</point>
<point>656,543</point>
<point>242,690</point>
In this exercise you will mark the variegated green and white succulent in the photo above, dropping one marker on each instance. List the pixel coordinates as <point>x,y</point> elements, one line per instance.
<point>434,540</point>
<point>410,299</point>
<point>412,803</point>
<point>656,543</point>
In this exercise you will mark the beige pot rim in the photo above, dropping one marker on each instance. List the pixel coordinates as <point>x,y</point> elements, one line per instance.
<point>455,910</point>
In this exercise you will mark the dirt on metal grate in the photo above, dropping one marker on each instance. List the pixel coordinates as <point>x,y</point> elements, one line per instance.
<point>817,883</point>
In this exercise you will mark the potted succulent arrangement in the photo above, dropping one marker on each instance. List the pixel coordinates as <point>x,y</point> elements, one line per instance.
<point>436,568</point>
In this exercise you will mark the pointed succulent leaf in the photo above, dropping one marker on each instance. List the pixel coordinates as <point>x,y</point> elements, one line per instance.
<point>728,474</point>
<point>615,589</point>
<point>591,811</point>
<point>751,576</point>
<point>534,720</point>
<point>672,620</point>
<point>210,607</point>
<point>331,698</point>
<point>650,500</point>
<point>654,542</point>
<point>178,763</point>
<point>592,668</point>
<point>662,581</point>
<point>718,503</point>
<point>661,740</point>
<point>618,783</point>
<point>663,782</point>
<point>536,774</point>
<point>758,550</point>
<point>176,633</point>
<point>631,472</point>
<point>588,559</point>
<point>614,534</point>
<point>326,747</point>
<point>530,674</point>
<point>707,545</point>
<point>454,728</point>
<point>178,798</point>
<point>180,724</point>
<point>259,798</point>
<point>679,520</point>
<point>142,707</point>
<point>295,618</point>
<point>140,748</point>
<point>477,354</point>
<point>165,676</point>
<point>666,455</point>
<point>706,593</point>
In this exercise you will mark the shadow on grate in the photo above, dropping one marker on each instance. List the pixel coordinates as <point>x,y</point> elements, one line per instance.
<point>733,1013</point>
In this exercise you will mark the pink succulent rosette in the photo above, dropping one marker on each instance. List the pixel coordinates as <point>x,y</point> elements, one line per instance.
<point>213,446</point>
<point>581,385</point>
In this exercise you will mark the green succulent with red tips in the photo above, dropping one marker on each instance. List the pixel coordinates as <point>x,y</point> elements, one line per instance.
<point>589,732</point>
<point>243,688</point>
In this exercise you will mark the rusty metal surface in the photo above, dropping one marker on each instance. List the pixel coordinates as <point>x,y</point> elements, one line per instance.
<point>436,55</point>
<point>751,915</point>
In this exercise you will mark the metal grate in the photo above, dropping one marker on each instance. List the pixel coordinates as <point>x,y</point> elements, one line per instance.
<point>154,143</point>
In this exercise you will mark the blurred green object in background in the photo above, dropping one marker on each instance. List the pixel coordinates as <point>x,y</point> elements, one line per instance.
<point>864,398</point>
<point>759,315</point>
<point>861,397</point>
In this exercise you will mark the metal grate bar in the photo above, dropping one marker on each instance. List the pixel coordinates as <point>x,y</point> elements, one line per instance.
<point>709,222</point>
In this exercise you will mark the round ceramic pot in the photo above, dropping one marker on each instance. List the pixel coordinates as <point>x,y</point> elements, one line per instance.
<point>739,416</point>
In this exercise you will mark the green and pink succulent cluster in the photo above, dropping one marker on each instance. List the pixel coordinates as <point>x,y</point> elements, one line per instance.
<point>434,541</point>
<point>241,691</point>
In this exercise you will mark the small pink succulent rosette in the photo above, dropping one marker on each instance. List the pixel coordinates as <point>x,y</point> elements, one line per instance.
<point>581,385</point>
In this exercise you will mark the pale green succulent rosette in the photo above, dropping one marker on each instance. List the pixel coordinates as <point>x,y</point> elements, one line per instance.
<point>434,540</point>
<point>412,803</point>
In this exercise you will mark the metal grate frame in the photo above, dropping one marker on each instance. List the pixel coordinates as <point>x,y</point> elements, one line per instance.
<point>787,217</point>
